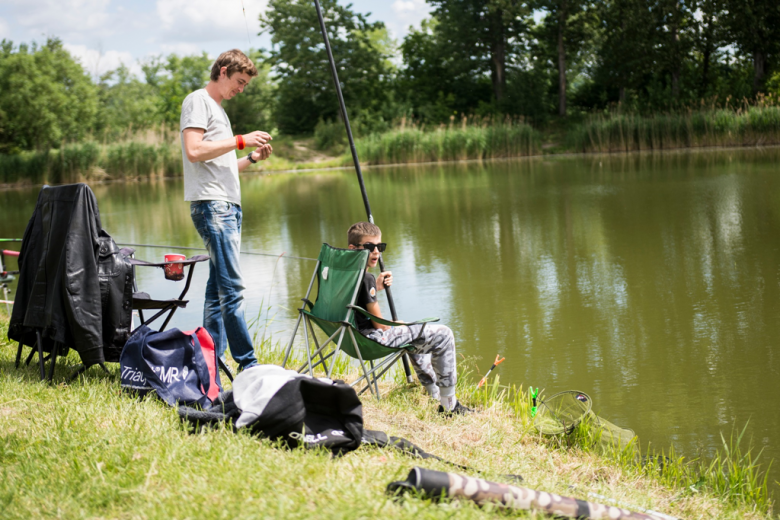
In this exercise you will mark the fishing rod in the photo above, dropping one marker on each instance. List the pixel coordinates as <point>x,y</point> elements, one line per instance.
<point>352,149</point>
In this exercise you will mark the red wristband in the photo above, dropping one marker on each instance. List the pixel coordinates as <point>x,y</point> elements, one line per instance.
<point>240,141</point>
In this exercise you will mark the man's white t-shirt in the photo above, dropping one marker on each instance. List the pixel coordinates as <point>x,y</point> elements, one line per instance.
<point>216,179</point>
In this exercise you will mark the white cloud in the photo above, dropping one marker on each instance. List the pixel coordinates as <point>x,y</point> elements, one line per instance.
<point>207,20</point>
<point>407,13</point>
<point>63,18</point>
<point>97,62</point>
<point>408,6</point>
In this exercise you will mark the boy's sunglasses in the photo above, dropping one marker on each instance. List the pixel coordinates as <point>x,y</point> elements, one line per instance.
<point>381,246</point>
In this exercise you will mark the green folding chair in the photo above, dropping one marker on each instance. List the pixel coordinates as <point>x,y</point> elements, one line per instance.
<point>339,273</point>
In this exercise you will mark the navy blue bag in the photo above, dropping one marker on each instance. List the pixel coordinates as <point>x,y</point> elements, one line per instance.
<point>171,363</point>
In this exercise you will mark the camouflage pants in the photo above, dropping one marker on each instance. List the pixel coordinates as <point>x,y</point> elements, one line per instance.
<point>434,357</point>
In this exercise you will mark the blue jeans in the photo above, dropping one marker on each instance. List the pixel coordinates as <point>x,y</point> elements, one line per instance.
<point>219,225</point>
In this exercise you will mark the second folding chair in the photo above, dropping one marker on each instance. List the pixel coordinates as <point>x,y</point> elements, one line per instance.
<point>339,274</point>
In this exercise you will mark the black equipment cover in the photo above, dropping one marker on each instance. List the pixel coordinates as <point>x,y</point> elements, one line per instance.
<point>59,291</point>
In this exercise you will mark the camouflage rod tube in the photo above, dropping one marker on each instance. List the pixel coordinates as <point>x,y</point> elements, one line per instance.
<point>437,484</point>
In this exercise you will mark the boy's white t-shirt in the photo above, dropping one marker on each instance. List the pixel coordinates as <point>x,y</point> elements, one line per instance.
<point>216,179</point>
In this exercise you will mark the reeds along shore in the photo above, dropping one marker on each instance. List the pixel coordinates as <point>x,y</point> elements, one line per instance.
<point>470,139</point>
<point>465,139</point>
<point>92,161</point>
<point>749,125</point>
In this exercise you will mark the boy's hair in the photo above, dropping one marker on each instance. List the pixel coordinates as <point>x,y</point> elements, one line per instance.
<point>235,61</point>
<point>362,229</point>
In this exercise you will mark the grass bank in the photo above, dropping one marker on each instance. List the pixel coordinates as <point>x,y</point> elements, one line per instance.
<point>87,450</point>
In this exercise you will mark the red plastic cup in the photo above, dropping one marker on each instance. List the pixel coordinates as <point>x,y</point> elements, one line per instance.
<point>173,271</point>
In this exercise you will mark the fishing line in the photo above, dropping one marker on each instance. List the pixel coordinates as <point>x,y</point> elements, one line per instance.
<point>246,23</point>
<point>253,253</point>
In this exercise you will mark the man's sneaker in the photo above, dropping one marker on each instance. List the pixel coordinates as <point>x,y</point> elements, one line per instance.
<point>458,410</point>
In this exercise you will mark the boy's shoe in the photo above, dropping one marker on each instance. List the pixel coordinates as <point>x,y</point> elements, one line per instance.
<point>458,410</point>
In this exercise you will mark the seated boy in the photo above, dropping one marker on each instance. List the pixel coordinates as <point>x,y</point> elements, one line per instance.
<point>434,358</point>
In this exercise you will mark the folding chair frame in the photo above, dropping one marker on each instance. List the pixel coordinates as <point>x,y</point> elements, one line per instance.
<point>372,375</point>
<point>164,306</point>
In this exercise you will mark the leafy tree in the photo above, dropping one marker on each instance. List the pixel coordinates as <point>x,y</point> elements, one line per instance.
<point>711,36</point>
<point>174,78</point>
<point>436,82</point>
<point>47,97</point>
<point>483,34</point>
<point>126,104</point>
<point>625,57</point>
<point>754,26</point>
<point>305,88</point>
<point>568,28</point>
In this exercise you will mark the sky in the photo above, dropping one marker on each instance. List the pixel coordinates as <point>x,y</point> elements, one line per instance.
<point>105,33</point>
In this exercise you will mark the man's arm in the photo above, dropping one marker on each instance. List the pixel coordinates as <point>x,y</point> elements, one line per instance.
<point>259,154</point>
<point>198,150</point>
<point>374,309</point>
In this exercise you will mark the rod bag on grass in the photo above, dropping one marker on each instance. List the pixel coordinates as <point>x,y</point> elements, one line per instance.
<point>437,484</point>
<point>180,367</point>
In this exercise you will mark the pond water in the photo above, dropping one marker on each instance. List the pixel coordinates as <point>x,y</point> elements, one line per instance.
<point>649,281</point>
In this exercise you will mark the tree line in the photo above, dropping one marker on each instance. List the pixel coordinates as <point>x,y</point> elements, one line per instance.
<point>544,61</point>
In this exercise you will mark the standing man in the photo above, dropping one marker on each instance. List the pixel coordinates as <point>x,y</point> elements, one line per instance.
<point>212,187</point>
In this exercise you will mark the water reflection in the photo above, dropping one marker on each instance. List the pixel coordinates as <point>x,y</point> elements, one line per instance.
<point>649,281</point>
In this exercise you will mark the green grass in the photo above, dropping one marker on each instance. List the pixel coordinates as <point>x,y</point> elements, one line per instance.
<point>86,450</point>
<point>747,126</point>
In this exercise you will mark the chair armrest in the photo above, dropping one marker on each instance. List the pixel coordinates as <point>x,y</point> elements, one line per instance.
<point>389,323</point>
<point>307,302</point>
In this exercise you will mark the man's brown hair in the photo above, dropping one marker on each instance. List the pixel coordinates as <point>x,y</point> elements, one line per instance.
<point>362,229</point>
<point>235,61</point>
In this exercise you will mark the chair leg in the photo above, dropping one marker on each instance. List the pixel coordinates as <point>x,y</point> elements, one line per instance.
<point>322,347</point>
<point>318,363</point>
<point>54,350</point>
<point>382,367</point>
<point>19,355</point>
<point>362,364</point>
<point>318,350</point>
<point>40,354</point>
<point>308,349</point>
<point>30,356</point>
<point>336,351</point>
<point>376,385</point>
<point>292,339</point>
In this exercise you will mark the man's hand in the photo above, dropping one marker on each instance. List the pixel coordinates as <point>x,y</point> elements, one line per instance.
<point>385,280</point>
<point>264,152</point>
<point>257,138</point>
